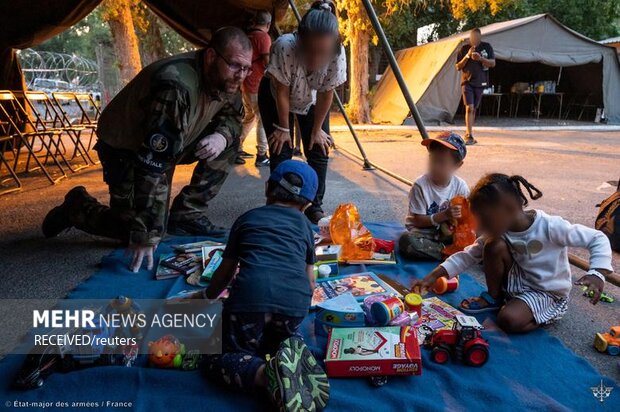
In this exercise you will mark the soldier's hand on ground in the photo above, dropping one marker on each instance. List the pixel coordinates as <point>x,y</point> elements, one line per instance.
<point>140,253</point>
<point>323,140</point>
<point>278,139</point>
<point>594,284</point>
<point>210,147</point>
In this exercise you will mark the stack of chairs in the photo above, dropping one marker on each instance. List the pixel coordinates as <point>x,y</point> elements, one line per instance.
<point>39,126</point>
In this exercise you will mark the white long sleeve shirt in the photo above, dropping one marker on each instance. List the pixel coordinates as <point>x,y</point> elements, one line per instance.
<point>541,252</point>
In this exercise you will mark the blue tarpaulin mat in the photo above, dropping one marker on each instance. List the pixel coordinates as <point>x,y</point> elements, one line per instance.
<point>534,371</point>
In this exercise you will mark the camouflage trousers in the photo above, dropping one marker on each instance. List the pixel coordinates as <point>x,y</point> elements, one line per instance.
<point>417,246</point>
<point>118,173</point>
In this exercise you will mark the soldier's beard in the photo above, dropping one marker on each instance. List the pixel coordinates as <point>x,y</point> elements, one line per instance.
<point>224,85</point>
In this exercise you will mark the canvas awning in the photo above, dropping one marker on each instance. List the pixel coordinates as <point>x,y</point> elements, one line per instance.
<point>435,83</point>
<point>28,23</point>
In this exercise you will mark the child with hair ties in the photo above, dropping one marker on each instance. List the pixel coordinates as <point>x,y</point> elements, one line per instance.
<point>524,255</point>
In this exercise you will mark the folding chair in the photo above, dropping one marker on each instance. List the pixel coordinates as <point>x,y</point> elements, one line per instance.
<point>6,139</point>
<point>87,118</point>
<point>33,131</point>
<point>13,129</point>
<point>61,99</point>
<point>48,116</point>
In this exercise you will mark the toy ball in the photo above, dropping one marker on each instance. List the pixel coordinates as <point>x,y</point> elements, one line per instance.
<point>166,352</point>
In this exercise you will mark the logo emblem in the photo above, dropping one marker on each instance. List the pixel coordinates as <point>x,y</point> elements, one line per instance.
<point>159,143</point>
<point>601,392</point>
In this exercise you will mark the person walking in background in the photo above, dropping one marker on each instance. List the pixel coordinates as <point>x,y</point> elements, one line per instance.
<point>304,69</point>
<point>473,61</point>
<point>261,44</point>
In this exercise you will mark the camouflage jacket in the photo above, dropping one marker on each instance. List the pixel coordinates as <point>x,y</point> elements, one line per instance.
<point>160,116</point>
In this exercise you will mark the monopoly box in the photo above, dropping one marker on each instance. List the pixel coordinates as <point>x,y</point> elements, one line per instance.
<point>378,351</point>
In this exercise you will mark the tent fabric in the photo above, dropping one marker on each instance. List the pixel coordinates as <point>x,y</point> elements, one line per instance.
<point>28,23</point>
<point>435,83</point>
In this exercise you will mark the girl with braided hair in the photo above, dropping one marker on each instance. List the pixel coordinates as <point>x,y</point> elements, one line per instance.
<point>524,256</point>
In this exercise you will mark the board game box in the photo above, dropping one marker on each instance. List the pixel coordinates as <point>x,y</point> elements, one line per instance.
<point>436,315</point>
<point>389,350</point>
<point>360,285</point>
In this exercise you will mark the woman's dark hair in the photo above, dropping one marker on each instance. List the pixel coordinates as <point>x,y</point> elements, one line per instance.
<point>320,19</point>
<point>275,191</point>
<point>489,189</point>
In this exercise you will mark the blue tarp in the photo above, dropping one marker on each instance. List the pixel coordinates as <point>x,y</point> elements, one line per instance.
<point>525,372</point>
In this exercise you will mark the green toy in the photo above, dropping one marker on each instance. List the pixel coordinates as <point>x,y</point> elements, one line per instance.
<point>604,296</point>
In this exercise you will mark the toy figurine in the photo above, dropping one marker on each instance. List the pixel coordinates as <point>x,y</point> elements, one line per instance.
<point>166,352</point>
<point>608,342</point>
<point>464,342</point>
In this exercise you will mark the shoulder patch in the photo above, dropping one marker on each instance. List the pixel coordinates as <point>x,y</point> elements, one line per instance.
<point>159,143</point>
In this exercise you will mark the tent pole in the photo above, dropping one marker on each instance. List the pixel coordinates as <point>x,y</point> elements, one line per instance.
<point>385,44</point>
<point>366,165</point>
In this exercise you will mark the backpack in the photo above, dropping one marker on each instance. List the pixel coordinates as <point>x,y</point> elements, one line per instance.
<point>608,219</point>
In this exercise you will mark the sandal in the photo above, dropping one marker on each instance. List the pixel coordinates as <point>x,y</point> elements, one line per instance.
<point>474,304</point>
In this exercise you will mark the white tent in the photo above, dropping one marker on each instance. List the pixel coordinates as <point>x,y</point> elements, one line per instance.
<point>435,83</point>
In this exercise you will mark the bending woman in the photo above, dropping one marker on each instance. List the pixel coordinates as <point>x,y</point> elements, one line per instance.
<point>304,69</point>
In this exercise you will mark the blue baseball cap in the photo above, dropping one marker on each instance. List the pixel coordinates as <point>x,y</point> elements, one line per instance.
<point>451,141</point>
<point>309,179</point>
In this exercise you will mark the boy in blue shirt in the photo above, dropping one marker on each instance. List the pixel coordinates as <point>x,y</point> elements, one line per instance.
<point>270,296</point>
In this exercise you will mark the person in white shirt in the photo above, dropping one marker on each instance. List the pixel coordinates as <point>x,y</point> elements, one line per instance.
<point>430,213</point>
<point>524,257</point>
<point>304,69</point>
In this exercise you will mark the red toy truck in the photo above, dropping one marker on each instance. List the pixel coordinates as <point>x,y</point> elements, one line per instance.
<point>464,342</point>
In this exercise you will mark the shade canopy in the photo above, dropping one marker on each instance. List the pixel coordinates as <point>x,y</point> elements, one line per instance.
<point>435,83</point>
<point>28,23</point>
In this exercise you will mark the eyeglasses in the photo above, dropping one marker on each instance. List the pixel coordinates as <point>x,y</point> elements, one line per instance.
<point>234,67</point>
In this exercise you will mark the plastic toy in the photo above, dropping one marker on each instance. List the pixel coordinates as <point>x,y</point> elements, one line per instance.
<point>166,352</point>
<point>346,229</point>
<point>444,285</point>
<point>384,246</point>
<point>604,296</point>
<point>385,311</point>
<point>464,232</point>
<point>464,342</point>
<point>608,342</point>
<point>36,368</point>
<point>413,303</point>
<point>191,360</point>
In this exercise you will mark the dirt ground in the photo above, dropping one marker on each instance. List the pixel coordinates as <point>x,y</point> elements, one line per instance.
<point>571,168</point>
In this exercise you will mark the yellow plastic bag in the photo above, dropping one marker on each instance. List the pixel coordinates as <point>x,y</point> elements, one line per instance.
<point>346,229</point>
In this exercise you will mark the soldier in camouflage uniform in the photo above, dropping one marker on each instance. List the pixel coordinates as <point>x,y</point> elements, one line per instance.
<point>179,110</point>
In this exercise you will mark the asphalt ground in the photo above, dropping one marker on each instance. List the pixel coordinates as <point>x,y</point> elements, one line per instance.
<point>571,168</point>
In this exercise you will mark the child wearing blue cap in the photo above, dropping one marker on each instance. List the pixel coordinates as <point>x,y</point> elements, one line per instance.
<point>430,196</point>
<point>273,246</point>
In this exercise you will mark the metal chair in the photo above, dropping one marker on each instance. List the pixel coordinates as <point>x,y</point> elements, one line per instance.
<point>6,139</point>
<point>89,112</point>
<point>47,115</point>
<point>72,125</point>
<point>15,129</point>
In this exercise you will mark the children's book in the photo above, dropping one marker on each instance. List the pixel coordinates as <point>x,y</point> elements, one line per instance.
<point>389,350</point>
<point>186,263</point>
<point>195,246</point>
<point>360,285</point>
<point>436,315</point>
<point>211,259</point>
<point>376,259</point>
<point>164,272</point>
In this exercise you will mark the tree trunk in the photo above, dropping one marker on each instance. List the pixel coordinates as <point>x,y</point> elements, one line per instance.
<point>118,16</point>
<point>153,48</point>
<point>358,107</point>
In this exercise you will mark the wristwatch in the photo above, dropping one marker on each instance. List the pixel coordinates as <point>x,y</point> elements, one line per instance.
<point>594,272</point>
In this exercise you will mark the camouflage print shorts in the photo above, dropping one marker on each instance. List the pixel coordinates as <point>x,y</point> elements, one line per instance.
<point>416,246</point>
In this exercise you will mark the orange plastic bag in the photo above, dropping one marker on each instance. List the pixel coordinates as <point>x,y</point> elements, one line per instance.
<point>464,228</point>
<point>346,229</point>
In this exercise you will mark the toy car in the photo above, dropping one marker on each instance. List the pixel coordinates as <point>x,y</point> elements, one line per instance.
<point>36,368</point>
<point>384,246</point>
<point>464,342</point>
<point>608,342</point>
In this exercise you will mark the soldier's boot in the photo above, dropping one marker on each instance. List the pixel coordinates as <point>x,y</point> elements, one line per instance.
<point>63,217</point>
<point>201,226</point>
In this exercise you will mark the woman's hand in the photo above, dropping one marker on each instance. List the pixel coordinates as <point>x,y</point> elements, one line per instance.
<point>321,139</point>
<point>278,139</point>
<point>138,254</point>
